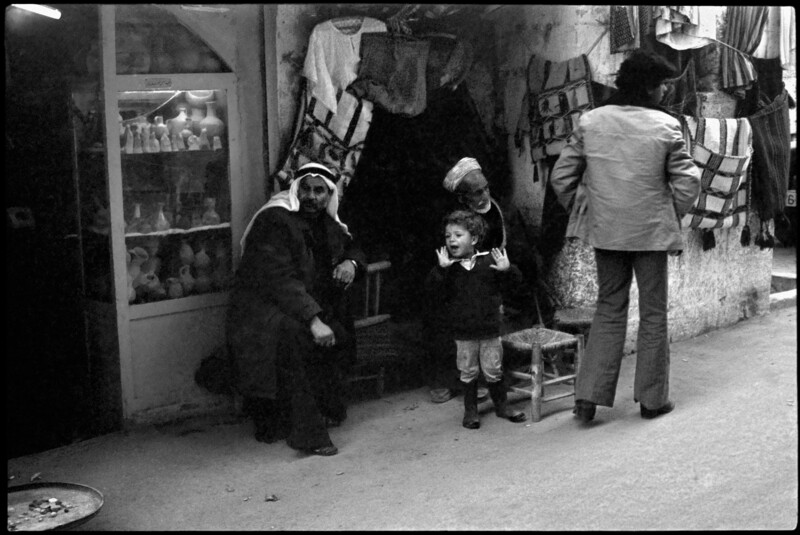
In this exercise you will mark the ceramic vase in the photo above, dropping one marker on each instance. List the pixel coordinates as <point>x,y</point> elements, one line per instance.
<point>203,141</point>
<point>155,146</point>
<point>201,259</point>
<point>193,143</point>
<point>159,126</point>
<point>202,283</point>
<point>186,254</point>
<point>213,124</point>
<point>210,216</point>
<point>177,123</point>
<point>174,288</point>
<point>196,117</point>
<point>164,143</point>
<point>177,143</point>
<point>137,143</point>
<point>129,141</point>
<point>187,132</point>
<point>161,223</point>
<point>186,278</point>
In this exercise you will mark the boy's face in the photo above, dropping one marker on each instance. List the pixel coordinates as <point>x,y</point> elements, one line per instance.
<point>460,243</point>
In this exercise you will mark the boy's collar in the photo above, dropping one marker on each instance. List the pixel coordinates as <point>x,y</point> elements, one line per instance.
<point>469,263</point>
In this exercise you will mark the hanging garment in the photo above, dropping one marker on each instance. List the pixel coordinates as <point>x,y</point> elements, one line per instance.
<point>788,38</point>
<point>392,72</point>
<point>332,139</point>
<point>565,94</point>
<point>333,58</point>
<point>680,97</point>
<point>771,157</point>
<point>686,27</point>
<point>743,30</point>
<point>722,149</point>
<point>623,27</point>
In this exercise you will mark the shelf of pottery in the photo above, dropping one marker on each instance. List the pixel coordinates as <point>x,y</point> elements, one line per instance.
<point>176,193</point>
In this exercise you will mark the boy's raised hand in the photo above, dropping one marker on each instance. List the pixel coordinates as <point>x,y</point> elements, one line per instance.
<point>501,262</point>
<point>444,258</point>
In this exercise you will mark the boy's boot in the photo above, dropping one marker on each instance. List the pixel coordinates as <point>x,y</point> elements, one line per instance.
<point>471,419</point>
<point>498,392</point>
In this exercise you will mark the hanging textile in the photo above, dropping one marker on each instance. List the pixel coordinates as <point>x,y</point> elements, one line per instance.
<point>686,27</point>
<point>392,74</point>
<point>623,28</point>
<point>332,139</point>
<point>555,108</point>
<point>771,157</point>
<point>743,30</point>
<point>333,58</point>
<point>680,97</point>
<point>788,38</point>
<point>721,148</point>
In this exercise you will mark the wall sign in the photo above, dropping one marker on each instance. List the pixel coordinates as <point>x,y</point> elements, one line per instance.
<point>158,83</point>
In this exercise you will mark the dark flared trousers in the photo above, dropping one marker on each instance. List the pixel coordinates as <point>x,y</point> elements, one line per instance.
<point>599,370</point>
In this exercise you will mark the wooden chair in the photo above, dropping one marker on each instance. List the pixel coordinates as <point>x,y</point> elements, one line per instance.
<point>374,346</point>
<point>543,344</point>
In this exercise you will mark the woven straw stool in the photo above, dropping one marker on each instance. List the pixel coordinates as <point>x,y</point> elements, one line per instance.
<point>542,343</point>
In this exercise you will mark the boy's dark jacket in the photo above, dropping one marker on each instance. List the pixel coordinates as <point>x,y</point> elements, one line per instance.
<point>468,302</point>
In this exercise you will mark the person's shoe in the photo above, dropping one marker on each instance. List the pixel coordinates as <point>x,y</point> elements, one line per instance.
<point>483,393</point>
<point>498,392</point>
<point>325,451</point>
<point>471,418</point>
<point>440,395</point>
<point>584,410</point>
<point>649,414</point>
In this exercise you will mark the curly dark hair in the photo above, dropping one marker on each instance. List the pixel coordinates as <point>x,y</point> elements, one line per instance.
<point>642,71</point>
<point>471,221</point>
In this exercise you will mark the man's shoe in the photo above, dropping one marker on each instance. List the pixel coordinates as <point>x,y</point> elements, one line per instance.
<point>440,395</point>
<point>325,451</point>
<point>649,414</point>
<point>584,410</point>
<point>471,418</point>
<point>497,391</point>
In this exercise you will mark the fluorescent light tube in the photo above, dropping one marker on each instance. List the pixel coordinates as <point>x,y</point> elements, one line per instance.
<point>40,9</point>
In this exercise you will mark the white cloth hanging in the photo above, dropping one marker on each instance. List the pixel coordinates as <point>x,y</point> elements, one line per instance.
<point>686,27</point>
<point>788,37</point>
<point>333,57</point>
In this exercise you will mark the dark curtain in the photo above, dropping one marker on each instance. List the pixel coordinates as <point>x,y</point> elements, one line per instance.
<point>395,204</point>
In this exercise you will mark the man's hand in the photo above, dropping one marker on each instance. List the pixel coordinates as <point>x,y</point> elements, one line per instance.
<point>323,335</point>
<point>444,258</point>
<point>345,272</point>
<point>501,262</point>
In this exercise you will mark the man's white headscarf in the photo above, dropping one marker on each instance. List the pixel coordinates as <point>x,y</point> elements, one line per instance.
<point>458,172</point>
<point>288,199</point>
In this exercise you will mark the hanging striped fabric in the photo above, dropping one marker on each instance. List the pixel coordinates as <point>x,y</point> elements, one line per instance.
<point>332,139</point>
<point>722,149</point>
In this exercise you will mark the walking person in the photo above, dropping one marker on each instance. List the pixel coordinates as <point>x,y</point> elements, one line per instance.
<point>468,286</point>
<point>639,180</point>
<point>290,334</point>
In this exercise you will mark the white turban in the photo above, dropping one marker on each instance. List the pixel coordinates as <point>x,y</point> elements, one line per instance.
<point>458,172</point>
<point>288,199</point>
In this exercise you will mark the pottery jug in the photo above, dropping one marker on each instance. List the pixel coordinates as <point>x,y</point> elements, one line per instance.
<point>204,143</point>
<point>187,131</point>
<point>211,122</point>
<point>177,123</point>
<point>186,254</point>
<point>136,222</point>
<point>129,141</point>
<point>201,259</point>
<point>210,216</point>
<point>159,126</point>
<point>137,143</point>
<point>174,288</point>
<point>193,142</point>
<point>166,146</point>
<point>196,117</point>
<point>187,281</point>
<point>177,142</point>
<point>161,222</point>
<point>202,283</point>
<point>155,146</point>
<point>217,145</point>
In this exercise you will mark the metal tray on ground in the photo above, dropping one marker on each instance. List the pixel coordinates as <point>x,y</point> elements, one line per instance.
<point>84,503</point>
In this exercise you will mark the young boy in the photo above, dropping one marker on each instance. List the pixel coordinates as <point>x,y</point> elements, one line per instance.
<point>469,285</point>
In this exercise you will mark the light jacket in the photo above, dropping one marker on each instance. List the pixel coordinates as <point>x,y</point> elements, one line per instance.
<point>638,175</point>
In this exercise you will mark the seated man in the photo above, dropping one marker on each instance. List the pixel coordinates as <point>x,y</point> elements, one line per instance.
<point>290,333</point>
